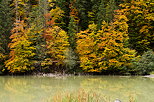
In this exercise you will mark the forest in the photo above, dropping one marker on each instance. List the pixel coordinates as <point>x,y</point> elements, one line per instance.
<point>77,36</point>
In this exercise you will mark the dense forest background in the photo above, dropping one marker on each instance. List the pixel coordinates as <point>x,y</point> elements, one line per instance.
<point>77,36</point>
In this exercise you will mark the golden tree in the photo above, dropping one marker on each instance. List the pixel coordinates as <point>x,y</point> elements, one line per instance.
<point>21,50</point>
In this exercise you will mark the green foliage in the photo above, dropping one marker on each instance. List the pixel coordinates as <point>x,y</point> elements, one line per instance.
<point>64,6</point>
<point>37,23</point>
<point>2,59</point>
<point>73,24</point>
<point>101,14</point>
<point>6,23</point>
<point>111,6</point>
<point>70,59</point>
<point>72,33</point>
<point>83,6</point>
<point>146,63</point>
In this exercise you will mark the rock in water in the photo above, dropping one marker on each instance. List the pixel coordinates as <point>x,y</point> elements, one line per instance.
<point>117,100</point>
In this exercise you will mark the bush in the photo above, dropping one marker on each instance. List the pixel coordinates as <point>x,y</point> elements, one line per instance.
<point>146,64</point>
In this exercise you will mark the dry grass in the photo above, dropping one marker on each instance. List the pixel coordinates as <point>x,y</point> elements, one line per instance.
<point>83,96</point>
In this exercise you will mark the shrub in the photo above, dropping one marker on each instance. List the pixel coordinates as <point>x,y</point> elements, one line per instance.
<point>146,64</point>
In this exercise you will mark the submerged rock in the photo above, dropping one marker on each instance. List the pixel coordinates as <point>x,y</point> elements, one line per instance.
<point>117,100</point>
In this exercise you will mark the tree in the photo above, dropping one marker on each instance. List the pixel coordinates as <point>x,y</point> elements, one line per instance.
<point>114,54</point>
<point>56,39</point>
<point>21,9</point>
<point>83,6</point>
<point>57,44</point>
<point>146,63</point>
<point>64,6</point>
<point>21,50</point>
<point>111,6</point>
<point>6,23</point>
<point>101,14</point>
<point>140,15</point>
<point>87,49</point>
<point>73,24</point>
<point>37,24</point>
<point>105,49</point>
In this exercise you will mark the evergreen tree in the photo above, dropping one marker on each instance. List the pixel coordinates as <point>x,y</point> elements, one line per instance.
<point>64,6</point>
<point>37,24</point>
<point>83,6</point>
<point>6,23</point>
<point>101,14</point>
<point>111,6</point>
<point>73,24</point>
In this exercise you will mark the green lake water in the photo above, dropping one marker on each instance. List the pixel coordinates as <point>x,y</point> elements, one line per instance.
<point>42,89</point>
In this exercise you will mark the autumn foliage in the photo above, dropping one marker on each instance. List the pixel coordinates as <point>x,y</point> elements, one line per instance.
<point>21,50</point>
<point>106,48</point>
<point>89,36</point>
<point>57,44</point>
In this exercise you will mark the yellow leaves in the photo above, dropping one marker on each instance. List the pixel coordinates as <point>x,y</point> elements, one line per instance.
<point>138,11</point>
<point>92,27</point>
<point>150,16</point>
<point>2,56</point>
<point>57,43</point>
<point>144,29</point>
<point>46,62</point>
<point>103,49</point>
<point>94,70</point>
<point>21,51</point>
<point>56,13</point>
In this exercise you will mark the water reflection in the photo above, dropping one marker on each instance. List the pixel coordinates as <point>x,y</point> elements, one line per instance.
<point>40,89</point>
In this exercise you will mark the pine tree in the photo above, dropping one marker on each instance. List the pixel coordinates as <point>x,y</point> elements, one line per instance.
<point>83,6</point>
<point>101,14</point>
<point>111,6</point>
<point>6,23</point>
<point>64,6</point>
<point>73,24</point>
<point>37,24</point>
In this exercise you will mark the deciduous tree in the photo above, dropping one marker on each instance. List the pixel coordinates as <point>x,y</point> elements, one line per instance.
<point>21,50</point>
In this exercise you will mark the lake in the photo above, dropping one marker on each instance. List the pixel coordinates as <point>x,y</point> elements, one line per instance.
<point>42,89</point>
